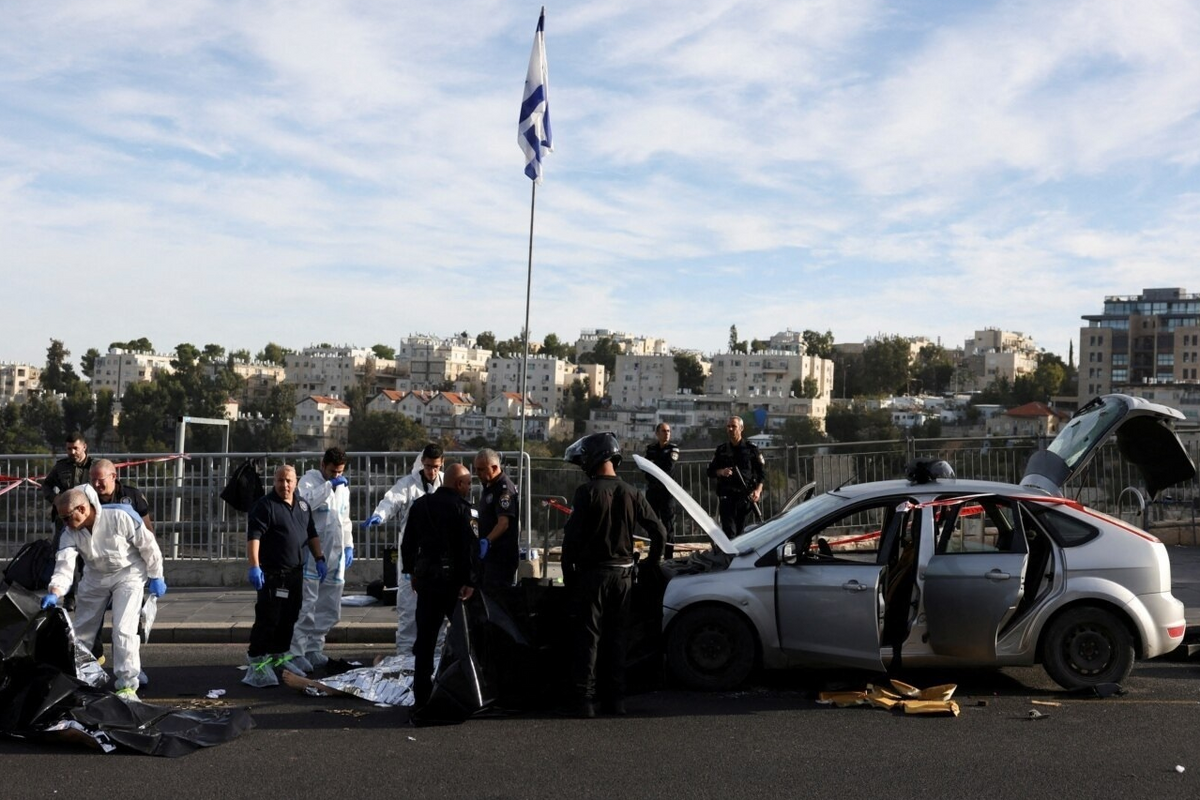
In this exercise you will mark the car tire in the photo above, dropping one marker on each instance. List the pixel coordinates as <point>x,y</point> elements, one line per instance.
<point>1087,646</point>
<point>711,648</point>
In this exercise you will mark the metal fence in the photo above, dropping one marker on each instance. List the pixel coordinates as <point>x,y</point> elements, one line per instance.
<point>193,523</point>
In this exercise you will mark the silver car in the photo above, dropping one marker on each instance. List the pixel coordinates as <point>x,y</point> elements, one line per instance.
<point>937,571</point>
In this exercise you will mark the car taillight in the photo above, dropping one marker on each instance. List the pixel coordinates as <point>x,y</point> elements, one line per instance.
<point>1176,631</point>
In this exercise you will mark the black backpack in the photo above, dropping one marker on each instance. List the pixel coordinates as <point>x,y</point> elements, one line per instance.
<point>32,566</point>
<point>245,486</point>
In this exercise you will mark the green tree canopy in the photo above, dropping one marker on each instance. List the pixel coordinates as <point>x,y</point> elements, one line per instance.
<point>605,352</point>
<point>690,372</point>
<point>140,345</point>
<point>385,431</point>
<point>272,354</point>
<point>818,344</point>
<point>58,375</point>
<point>384,352</point>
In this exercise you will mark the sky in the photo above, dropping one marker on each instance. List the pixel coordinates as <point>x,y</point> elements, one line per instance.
<point>348,171</point>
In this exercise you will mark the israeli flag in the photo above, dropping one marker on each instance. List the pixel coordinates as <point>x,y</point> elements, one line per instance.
<point>533,129</point>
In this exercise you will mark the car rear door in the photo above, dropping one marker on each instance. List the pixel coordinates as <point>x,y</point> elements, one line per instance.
<point>975,578</point>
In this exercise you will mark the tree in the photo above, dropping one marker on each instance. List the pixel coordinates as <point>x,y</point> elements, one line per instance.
<point>810,388</point>
<point>58,376</point>
<point>849,425</point>
<point>140,345</point>
<point>273,354</point>
<point>800,430</point>
<point>240,356</point>
<point>580,405</point>
<point>934,369</point>
<point>605,352</point>
<point>17,435</point>
<point>87,364</point>
<point>267,424</point>
<point>818,344</point>
<point>689,372</point>
<point>733,338</point>
<point>102,424</point>
<point>377,431</point>
<point>78,408</point>
<point>384,352</point>
<point>551,346</point>
<point>885,366</point>
<point>759,345</point>
<point>146,417</point>
<point>486,341</point>
<point>212,354</point>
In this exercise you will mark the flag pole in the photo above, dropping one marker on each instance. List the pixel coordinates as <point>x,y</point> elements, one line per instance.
<point>525,337</point>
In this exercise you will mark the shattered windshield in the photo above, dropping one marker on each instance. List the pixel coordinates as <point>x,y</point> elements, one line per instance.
<point>1091,425</point>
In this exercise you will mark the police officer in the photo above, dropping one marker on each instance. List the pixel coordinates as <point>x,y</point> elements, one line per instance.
<point>67,472</point>
<point>663,453</point>
<point>499,522</point>
<point>440,552</point>
<point>103,478</point>
<point>598,563</point>
<point>739,469</point>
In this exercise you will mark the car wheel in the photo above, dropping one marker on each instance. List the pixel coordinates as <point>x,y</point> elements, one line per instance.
<point>711,648</point>
<point>1086,647</point>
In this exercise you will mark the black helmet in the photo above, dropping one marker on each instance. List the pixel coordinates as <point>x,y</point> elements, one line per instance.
<point>593,450</point>
<point>928,471</point>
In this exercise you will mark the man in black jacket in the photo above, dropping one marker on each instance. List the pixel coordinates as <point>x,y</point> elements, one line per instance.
<point>663,453</point>
<point>739,468</point>
<point>440,552</point>
<point>598,562</point>
<point>67,473</point>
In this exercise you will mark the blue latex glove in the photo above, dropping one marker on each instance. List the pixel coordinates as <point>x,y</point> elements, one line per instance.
<point>374,520</point>
<point>322,569</point>
<point>407,577</point>
<point>340,480</point>
<point>256,578</point>
<point>484,546</point>
<point>349,551</point>
<point>158,587</point>
<point>50,600</point>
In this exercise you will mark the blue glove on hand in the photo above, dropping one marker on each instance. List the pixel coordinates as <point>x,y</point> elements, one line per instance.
<point>340,480</point>
<point>484,546</point>
<point>374,520</point>
<point>256,578</point>
<point>349,551</point>
<point>158,587</point>
<point>50,600</point>
<point>322,568</point>
<point>407,577</point>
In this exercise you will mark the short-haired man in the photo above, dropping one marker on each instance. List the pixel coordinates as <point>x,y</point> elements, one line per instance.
<point>279,529</point>
<point>326,492</point>
<point>662,453</point>
<point>440,554</point>
<point>120,555</point>
<point>425,478</point>
<point>739,469</point>
<point>499,522</point>
<point>67,472</point>
<point>103,478</point>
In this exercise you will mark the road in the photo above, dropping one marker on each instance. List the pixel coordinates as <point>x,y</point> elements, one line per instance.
<point>771,740</point>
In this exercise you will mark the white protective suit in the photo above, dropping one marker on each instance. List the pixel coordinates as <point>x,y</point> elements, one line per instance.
<point>322,605</point>
<point>119,555</point>
<point>398,502</point>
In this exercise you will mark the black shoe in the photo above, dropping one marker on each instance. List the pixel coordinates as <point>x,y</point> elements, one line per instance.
<point>615,707</point>
<point>586,709</point>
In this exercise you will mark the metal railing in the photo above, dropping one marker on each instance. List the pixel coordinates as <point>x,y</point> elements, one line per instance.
<point>193,523</point>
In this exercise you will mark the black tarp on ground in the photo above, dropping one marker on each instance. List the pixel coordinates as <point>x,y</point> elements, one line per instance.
<point>44,694</point>
<point>512,651</point>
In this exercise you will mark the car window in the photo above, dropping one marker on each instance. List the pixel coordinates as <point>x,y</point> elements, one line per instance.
<point>978,525</point>
<point>851,537</point>
<point>1066,530</point>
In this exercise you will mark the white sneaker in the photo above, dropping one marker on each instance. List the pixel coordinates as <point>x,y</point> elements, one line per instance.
<point>260,672</point>
<point>317,658</point>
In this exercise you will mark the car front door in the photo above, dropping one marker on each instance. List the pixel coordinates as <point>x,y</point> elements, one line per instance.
<point>827,594</point>
<point>975,578</point>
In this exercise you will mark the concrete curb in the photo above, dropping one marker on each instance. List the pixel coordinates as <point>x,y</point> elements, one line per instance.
<point>239,633</point>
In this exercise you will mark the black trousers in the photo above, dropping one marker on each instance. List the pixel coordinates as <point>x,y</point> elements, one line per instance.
<point>602,632</point>
<point>497,576</point>
<point>436,599</point>
<point>663,506</point>
<point>734,511</point>
<point>276,612</point>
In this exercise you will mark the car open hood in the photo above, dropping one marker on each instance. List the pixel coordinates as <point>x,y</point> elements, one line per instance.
<point>688,504</point>
<point>1145,435</point>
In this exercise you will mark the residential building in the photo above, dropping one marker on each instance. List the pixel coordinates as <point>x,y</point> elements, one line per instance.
<point>1140,343</point>
<point>503,414</point>
<point>630,345</point>
<point>387,400</point>
<point>993,354</point>
<point>118,368</point>
<point>638,381</point>
<point>432,363</point>
<point>321,422</point>
<point>17,381</point>
<point>260,377</point>
<point>1031,419</point>
<point>443,413</point>
<point>768,374</point>
<point>333,371</point>
<point>548,382</point>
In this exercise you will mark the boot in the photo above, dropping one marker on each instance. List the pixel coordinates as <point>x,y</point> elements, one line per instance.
<point>260,672</point>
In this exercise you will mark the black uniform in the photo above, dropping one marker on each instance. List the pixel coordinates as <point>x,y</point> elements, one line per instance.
<point>499,499</point>
<point>128,496</point>
<point>598,562</point>
<point>283,532</point>
<point>440,551</point>
<point>65,474</point>
<point>734,491</point>
<point>663,457</point>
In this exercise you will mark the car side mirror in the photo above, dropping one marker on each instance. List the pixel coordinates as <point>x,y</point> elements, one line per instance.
<point>787,553</point>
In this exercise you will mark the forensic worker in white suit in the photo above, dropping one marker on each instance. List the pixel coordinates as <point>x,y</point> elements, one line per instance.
<point>327,492</point>
<point>119,555</point>
<point>426,477</point>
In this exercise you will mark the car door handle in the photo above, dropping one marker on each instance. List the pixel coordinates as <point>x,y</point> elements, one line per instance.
<point>997,575</point>
<point>854,586</point>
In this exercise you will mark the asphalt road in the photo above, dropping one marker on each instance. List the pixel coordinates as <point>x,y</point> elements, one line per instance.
<point>771,740</point>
